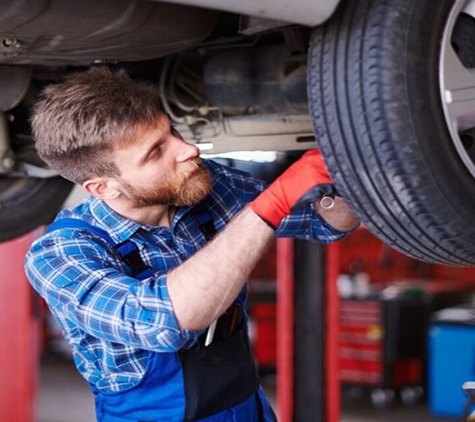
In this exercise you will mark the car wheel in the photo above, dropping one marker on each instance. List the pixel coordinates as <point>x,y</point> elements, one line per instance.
<point>391,89</point>
<point>26,203</point>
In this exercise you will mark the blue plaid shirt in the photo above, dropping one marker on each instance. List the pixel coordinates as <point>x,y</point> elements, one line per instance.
<point>113,321</point>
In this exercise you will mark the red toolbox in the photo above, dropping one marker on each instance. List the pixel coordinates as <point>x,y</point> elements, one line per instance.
<point>265,341</point>
<point>382,342</point>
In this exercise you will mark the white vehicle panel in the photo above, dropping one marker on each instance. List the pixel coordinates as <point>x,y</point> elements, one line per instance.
<point>304,12</point>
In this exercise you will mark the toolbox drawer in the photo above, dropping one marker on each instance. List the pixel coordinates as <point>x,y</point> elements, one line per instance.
<point>382,342</point>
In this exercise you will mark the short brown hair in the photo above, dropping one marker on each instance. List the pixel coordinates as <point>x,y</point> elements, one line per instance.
<point>77,122</point>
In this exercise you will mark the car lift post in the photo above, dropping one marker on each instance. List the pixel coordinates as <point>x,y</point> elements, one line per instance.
<point>20,331</point>
<point>307,332</point>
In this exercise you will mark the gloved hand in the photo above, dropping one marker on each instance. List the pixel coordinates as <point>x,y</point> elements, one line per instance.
<point>303,182</point>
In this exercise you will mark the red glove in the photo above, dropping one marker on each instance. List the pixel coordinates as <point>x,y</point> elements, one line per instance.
<point>303,182</point>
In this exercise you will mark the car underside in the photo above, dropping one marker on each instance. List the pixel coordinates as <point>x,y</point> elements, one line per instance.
<point>383,88</point>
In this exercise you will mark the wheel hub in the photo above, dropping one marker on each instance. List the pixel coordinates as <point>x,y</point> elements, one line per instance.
<point>457,79</point>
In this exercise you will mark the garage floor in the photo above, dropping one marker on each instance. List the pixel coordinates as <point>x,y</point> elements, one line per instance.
<point>65,397</point>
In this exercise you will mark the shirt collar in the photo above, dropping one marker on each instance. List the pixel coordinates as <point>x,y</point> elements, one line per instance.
<point>121,228</point>
<point>118,227</point>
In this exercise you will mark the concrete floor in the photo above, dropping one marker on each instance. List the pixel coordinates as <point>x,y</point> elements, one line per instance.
<point>64,397</point>
<point>363,411</point>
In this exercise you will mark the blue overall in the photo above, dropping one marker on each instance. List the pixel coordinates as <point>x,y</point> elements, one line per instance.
<point>215,383</point>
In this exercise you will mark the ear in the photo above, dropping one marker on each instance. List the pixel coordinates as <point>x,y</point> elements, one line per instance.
<point>104,188</point>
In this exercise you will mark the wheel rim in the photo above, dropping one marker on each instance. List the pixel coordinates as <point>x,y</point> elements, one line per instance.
<point>457,82</point>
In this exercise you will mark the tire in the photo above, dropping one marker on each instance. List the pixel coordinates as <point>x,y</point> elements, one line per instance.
<point>27,203</point>
<point>374,87</point>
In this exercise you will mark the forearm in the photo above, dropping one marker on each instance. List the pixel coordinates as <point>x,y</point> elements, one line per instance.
<point>203,287</point>
<point>339,216</point>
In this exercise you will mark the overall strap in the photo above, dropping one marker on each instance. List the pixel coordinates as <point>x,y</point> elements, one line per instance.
<point>127,250</point>
<point>76,223</point>
<point>130,254</point>
<point>202,218</point>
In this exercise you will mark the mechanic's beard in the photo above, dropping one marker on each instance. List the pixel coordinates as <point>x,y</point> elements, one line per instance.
<point>178,191</point>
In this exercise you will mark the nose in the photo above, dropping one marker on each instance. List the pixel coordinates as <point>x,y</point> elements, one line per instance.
<point>185,151</point>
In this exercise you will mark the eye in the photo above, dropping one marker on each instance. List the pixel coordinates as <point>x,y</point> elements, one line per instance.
<point>156,153</point>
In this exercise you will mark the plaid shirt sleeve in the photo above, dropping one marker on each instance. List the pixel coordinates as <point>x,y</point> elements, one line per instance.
<point>82,285</point>
<point>304,224</point>
<point>309,225</point>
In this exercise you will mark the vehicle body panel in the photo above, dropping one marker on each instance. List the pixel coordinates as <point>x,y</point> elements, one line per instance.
<point>304,12</point>
<point>56,33</point>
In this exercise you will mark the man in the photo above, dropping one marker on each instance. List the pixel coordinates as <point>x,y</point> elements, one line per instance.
<point>149,297</point>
